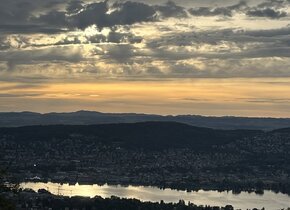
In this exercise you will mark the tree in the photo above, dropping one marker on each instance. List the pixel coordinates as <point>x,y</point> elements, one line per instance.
<point>5,204</point>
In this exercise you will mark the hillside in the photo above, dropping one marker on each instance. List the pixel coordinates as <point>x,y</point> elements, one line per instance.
<point>144,134</point>
<point>15,119</point>
<point>163,154</point>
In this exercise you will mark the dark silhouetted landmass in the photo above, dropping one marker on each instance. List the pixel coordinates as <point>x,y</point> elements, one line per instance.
<point>163,154</point>
<point>14,119</point>
<point>27,200</point>
<point>147,135</point>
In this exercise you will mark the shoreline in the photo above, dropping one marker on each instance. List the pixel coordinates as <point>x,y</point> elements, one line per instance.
<point>117,184</point>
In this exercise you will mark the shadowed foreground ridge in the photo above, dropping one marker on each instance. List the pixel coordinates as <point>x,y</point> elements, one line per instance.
<point>153,135</point>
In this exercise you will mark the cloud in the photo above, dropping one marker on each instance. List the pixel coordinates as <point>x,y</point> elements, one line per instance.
<point>112,36</point>
<point>277,4</point>
<point>223,44</point>
<point>218,11</point>
<point>273,9</point>
<point>267,100</point>
<point>279,33</point>
<point>91,14</point>
<point>4,44</point>
<point>74,6</point>
<point>55,54</point>
<point>29,29</point>
<point>16,16</point>
<point>120,53</point>
<point>131,12</point>
<point>268,9</point>
<point>129,39</point>
<point>268,12</point>
<point>48,17</point>
<point>116,35</point>
<point>53,18</point>
<point>102,14</point>
<point>12,11</point>
<point>123,37</point>
<point>170,9</point>
<point>20,95</point>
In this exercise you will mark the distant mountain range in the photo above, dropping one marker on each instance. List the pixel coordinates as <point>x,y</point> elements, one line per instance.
<point>151,135</point>
<point>16,119</point>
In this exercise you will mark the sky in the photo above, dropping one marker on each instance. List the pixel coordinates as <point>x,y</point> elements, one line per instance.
<point>207,57</point>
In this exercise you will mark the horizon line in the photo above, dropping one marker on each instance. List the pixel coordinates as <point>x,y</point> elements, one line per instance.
<point>142,113</point>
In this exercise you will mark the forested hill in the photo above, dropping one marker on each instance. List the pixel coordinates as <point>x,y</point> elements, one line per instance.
<point>151,135</point>
<point>14,119</point>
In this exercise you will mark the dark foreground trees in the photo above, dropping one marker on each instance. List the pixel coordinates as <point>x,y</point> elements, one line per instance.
<point>47,201</point>
<point>5,204</point>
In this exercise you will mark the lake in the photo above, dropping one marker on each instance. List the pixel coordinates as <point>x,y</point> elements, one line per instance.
<point>244,200</point>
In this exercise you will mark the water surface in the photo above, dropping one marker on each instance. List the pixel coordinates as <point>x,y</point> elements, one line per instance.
<point>244,200</point>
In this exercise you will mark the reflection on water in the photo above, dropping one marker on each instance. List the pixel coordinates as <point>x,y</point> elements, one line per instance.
<point>244,200</point>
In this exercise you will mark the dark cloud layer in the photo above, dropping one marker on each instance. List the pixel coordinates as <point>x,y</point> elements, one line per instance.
<point>39,16</point>
<point>29,29</point>
<point>102,14</point>
<point>170,9</point>
<point>268,12</point>
<point>221,11</point>
<point>40,31</point>
<point>269,9</point>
